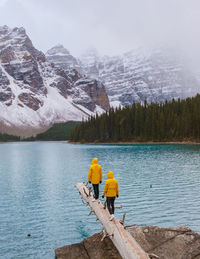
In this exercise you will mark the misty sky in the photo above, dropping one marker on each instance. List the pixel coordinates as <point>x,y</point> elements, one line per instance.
<point>111,26</point>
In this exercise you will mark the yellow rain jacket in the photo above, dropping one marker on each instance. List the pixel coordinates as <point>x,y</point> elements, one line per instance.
<point>111,186</point>
<point>95,172</point>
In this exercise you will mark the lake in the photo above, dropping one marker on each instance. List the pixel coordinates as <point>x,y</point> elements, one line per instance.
<point>158,185</point>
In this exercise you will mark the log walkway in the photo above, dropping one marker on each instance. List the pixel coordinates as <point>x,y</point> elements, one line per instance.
<point>121,238</point>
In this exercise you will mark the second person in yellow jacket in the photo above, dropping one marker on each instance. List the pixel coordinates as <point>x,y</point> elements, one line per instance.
<point>95,176</point>
<point>111,190</point>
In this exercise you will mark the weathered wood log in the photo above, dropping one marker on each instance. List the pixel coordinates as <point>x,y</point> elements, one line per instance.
<point>122,221</point>
<point>91,211</point>
<point>118,207</point>
<point>122,239</point>
<point>129,226</point>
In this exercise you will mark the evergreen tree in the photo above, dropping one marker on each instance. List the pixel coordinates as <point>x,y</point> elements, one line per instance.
<point>170,121</point>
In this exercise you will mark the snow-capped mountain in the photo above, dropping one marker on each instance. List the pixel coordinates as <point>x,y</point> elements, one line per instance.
<point>153,75</point>
<point>62,58</point>
<point>35,93</point>
<point>67,67</point>
<point>37,90</point>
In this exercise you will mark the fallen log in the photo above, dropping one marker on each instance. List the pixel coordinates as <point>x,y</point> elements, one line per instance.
<point>121,238</point>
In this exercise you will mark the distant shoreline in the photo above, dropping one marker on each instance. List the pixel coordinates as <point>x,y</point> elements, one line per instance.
<point>110,143</point>
<point>138,143</point>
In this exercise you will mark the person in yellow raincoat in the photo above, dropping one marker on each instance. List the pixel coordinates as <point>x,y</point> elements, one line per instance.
<point>95,176</point>
<point>111,190</point>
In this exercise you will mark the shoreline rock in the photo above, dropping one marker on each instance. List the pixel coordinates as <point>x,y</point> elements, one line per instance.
<point>165,243</point>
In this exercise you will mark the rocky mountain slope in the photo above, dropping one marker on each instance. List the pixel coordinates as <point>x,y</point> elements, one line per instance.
<point>38,90</point>
<point>35,93</point>
<point>67,67</point>
<point>153,75</point>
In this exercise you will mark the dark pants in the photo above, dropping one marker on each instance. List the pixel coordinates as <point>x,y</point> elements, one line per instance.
<point>96,190</point>
<point>110,204</point>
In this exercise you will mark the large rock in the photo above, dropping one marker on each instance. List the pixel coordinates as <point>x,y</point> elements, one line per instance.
<point>165,243</point>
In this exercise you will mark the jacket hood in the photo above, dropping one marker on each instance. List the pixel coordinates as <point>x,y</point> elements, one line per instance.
<point>110,175</point>
<point>94,161</point>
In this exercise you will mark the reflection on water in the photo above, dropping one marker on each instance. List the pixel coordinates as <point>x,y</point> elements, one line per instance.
<point>37,194</point>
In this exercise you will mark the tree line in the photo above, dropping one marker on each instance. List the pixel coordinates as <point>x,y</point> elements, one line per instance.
<point>169,121</point>
<point>7,137</point>
<point>59,131</point>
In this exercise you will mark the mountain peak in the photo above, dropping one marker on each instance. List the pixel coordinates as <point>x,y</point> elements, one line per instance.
<point>37,92</point>
<point>4,30</point>
<point>61,57</point>
<point>58,49</point>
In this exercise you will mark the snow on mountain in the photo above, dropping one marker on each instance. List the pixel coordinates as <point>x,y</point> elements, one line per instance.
<point>37,90</point>
<point>86,92</point>
<point>153,75</point>
<point>35,93</point>
<point>61,56</point>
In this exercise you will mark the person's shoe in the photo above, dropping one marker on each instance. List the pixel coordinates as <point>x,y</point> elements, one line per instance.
<point>111,217</point>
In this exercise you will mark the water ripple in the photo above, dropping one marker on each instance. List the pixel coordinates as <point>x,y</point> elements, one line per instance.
<point>159,185</point>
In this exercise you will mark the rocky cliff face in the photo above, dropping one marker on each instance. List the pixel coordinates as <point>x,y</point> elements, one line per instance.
<point>155,75</point>
<point>19,65</point>
<point>35,92</point>
<point>164,243</point>
<point>67,66</point>
<point>62,58</point>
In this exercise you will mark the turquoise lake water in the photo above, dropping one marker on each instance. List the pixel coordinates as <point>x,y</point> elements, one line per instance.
<point>38,197</point>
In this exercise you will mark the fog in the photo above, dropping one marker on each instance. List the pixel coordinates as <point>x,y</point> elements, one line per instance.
<point>111,26</point>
